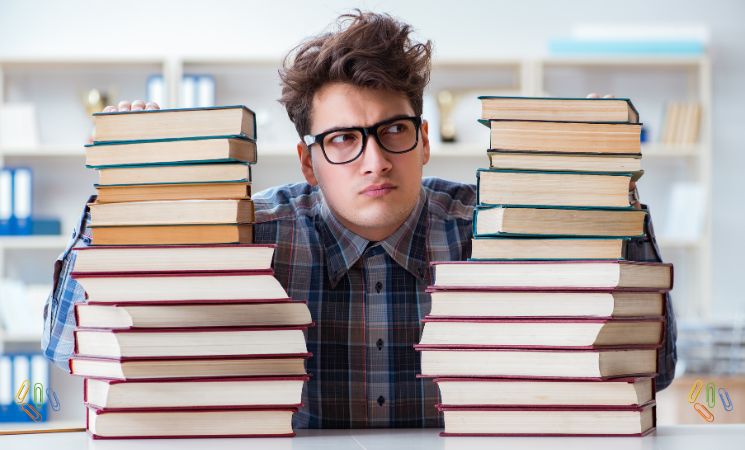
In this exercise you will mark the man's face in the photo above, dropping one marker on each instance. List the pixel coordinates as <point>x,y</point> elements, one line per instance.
<point>374,194</point>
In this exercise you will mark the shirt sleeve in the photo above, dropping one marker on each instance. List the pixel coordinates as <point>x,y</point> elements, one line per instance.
<point>59,318</point>
<point>646,249</point>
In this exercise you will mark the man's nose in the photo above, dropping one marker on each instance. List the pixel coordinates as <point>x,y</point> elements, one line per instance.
<point>375,159</point>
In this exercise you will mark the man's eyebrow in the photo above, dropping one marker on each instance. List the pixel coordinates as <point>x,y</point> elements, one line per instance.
<point>346,127</point>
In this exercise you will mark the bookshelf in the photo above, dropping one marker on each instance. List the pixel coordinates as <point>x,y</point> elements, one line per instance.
<point>55,87</point>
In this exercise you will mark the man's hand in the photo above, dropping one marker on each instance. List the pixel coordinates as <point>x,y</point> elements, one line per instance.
<point>137,105</point>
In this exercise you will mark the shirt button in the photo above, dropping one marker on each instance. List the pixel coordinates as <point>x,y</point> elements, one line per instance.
<point>378,287</point>
<point>379,344</point>
<point>381,400</point>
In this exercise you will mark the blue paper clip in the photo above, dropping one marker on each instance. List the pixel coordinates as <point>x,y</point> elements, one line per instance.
<point>726,401</point>
<point>38,394</point>
<point>30,411</point>
<point>53,400</point>
<point>711,395</point>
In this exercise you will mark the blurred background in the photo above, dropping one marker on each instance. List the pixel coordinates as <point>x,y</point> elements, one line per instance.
<point>681,62</point>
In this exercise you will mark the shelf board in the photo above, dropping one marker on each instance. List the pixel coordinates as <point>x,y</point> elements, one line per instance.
<point>21,338</point>
<point>677,243</point>
<point>44,151</point>
<point>34,242</point>
<point>655,150</point>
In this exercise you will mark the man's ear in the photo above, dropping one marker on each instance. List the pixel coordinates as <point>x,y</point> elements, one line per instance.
<point>306,163</point>
<point>425,142</point>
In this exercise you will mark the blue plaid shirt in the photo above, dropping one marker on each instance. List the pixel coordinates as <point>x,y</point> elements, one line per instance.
<point>367,298</point>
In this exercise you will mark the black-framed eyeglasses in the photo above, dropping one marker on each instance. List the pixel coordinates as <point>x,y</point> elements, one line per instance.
<point>343,145</point>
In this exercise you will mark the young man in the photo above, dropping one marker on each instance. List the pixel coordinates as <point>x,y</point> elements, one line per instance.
<point>356,240</point>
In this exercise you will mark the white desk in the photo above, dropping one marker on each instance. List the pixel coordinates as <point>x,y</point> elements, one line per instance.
<point>680,437</point>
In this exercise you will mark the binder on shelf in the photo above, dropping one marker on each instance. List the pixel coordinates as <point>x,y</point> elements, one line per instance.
<point>15,368</point>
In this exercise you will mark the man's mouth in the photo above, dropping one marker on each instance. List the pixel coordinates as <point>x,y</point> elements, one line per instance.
<point>378,190</point>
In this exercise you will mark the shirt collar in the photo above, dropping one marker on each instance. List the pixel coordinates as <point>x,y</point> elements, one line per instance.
<point>406,246</point>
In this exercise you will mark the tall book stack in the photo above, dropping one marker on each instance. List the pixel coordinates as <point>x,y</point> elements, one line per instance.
<point>185,332</point>
<point>547,329</point>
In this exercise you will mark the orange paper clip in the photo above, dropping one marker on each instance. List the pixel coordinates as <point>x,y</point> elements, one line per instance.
<point>30,411</point>
<point>704,412</point>
<point>695,391</point>
<point>23,391</point>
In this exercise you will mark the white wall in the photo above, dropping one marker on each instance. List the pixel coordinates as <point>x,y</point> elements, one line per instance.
<point>30,28</point>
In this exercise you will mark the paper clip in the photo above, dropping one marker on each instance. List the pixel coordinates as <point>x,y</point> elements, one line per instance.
<point>30,411</point>
<point>23,391</point>
<point>711,395</point>
<point>53,400</point>
<point>726,401</point>
<point>38,394</point>
<point>703,412</point>
<point>695,391</point>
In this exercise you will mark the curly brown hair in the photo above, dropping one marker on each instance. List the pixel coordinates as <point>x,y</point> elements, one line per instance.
<point>368,49</point>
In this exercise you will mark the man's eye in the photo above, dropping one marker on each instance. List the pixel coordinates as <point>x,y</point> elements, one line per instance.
<point>395,128</point>
<point>343,138</point>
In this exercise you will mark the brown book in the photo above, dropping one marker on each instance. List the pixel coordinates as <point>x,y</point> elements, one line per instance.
<point>528,248</point>
<point>184,173</point>
<point>511,187</point>
<point>555,275</point>
<point>456,332</point>
<point>508,220</point>
<point>532,392</point>
<point>232,233</point>
<point>492,304</point>
<point>171,151</point>
<point>156,192</point>
<point>148,368</point>
<point>570,137</point>
<point>500,159</point>
<point>215,121</point>
<point>538,363</point>
<point>601,110</point>
<point>176,212</point>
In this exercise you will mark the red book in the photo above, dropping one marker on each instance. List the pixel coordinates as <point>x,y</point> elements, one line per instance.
<point>549,421</point>
<point>275,421</point>
<point>176,394</point>
<point>128,368</point>
<point>545,333</point>
<point>158,343</point>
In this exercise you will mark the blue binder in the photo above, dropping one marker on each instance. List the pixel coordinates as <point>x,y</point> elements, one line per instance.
<point>15,368</point>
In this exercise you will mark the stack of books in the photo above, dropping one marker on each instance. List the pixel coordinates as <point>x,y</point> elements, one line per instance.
<point>185,332</point>
<point>547,329</point>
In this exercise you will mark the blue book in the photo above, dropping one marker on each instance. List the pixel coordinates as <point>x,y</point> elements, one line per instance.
<point>6,200</point>
<point>575,47</point>
<point>22,201</point>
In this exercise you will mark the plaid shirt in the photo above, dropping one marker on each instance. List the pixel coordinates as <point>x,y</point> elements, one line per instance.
<point>367,298</point>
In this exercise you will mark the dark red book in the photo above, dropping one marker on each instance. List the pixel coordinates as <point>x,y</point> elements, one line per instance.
<point>553,275</point>
<point>158,343</point>
<point>128,368</point>
<point>537,363</point>
<point>479,392</point>
<point>117,287</point>
<point>549,421</point>
<point>246,421</point>
<point>179,314</point>
<point>173,258</point>
<point>176,394</point>
<point>545,333</point>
